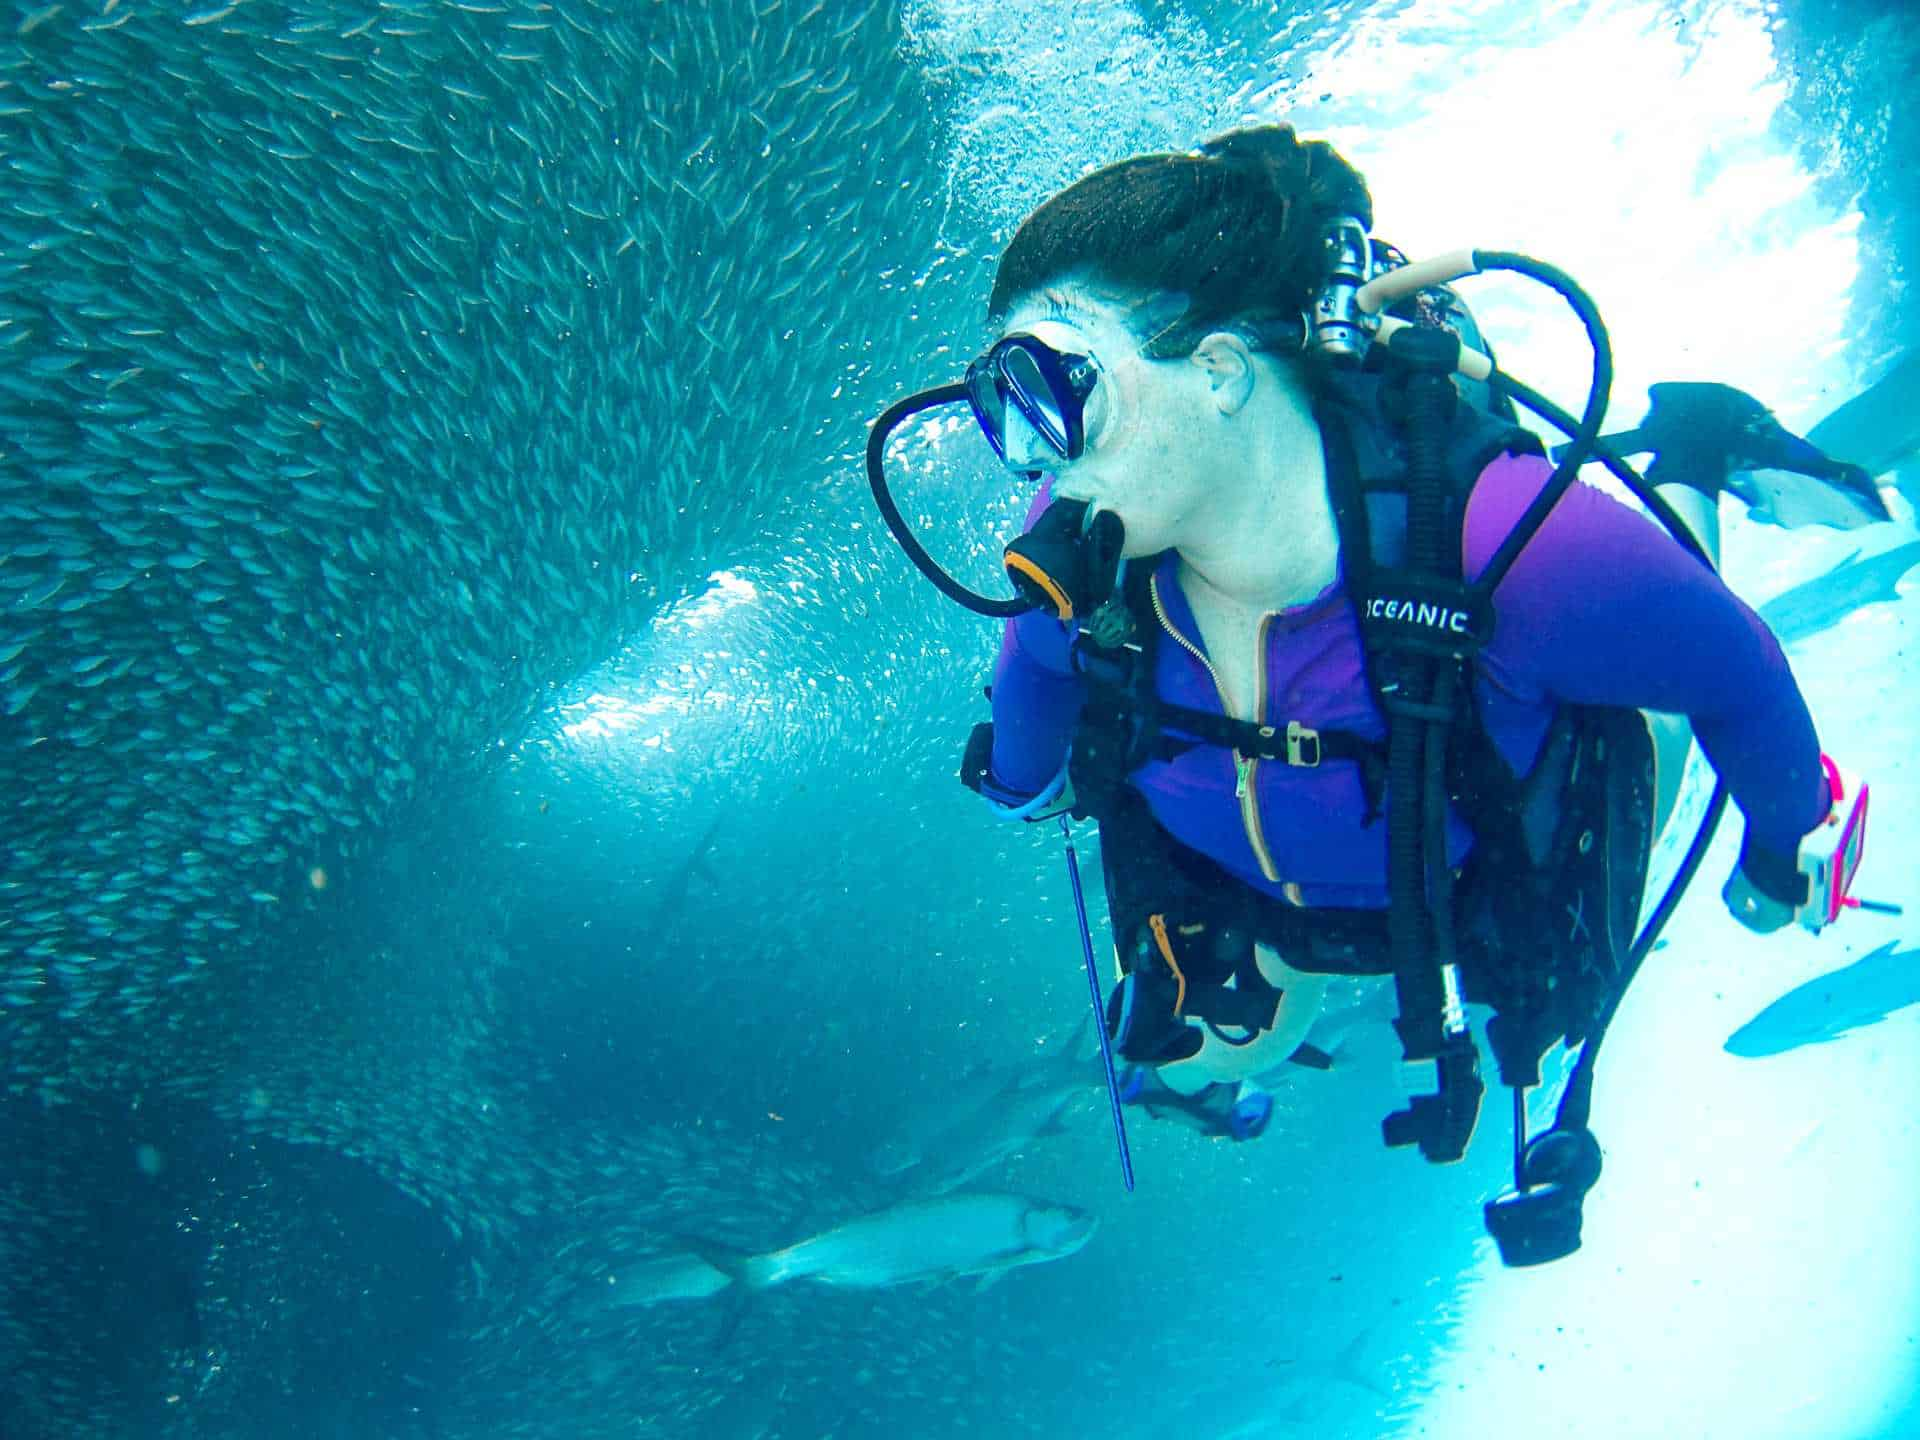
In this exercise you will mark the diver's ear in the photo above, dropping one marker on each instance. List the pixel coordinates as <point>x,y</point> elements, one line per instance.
<point>1228,365</point>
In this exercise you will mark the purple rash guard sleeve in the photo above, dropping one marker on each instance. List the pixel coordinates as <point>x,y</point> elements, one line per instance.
<point>1604,608</point>
<point>1036,703</point>
<point>1036,695</point>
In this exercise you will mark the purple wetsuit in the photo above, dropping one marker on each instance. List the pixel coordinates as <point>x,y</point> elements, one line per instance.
<point>1601,608</point>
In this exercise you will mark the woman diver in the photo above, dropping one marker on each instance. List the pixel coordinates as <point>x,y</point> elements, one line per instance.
<point>1218,651</point>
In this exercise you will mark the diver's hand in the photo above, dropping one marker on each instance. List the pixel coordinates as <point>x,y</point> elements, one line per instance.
<point>976,773</point>
<point>976,770</point>
<point>1766,889</point>
<point>1753,908</point>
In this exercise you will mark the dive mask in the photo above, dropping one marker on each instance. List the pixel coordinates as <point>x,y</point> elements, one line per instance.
<point>1048,387</point>
<point>1067,563</point>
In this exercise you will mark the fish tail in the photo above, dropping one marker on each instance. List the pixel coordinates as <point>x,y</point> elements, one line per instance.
<point>748,1271</point>
<point>762,1272</point>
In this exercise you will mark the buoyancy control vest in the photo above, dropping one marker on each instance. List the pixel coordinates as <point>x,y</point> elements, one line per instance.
<point>1546,906</point>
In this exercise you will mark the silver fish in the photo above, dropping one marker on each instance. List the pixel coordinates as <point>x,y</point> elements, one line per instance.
<point>1829,1006</point>
<point>1879,429</point>
<point>1006,1121</point>
<point>1826,600</point>
<point>981,1235</point>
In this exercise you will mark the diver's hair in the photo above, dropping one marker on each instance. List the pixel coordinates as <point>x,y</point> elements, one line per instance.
<point>1236,229</point>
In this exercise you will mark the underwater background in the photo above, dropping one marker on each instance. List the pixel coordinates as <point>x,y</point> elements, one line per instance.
<point>479,780</point>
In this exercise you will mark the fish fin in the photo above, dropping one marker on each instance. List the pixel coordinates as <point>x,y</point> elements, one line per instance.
<point>987,1280</point>
<point>969,1075</point>
<point>748,1271</point>
<point>1056,1124</point>
<point>1905,479</point>
<point>1348,1366</point>
<point>732,1312</point>
<point>663,1279</point>
<point>1031,1078</point>
<point>1714,438</point>
<point>1793,499</point>
<point>1312,1057</point>
<point>1744,486</point>
<point>1067,1051</point>
<point>1084,1045</point>
<point>703,851</point>
<point>1890,585</point>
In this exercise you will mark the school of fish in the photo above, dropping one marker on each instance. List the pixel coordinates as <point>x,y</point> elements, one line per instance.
<point>368,372</point>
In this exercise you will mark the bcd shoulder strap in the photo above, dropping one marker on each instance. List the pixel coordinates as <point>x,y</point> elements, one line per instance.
<point>1402,457</point>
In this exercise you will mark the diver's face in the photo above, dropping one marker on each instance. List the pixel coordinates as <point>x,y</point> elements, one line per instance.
<point>1139,461</point>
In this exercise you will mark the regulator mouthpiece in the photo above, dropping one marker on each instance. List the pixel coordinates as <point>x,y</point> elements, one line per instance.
<point>1066,564</point>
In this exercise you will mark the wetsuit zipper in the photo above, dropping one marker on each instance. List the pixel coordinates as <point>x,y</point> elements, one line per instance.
<point>1244,769</point>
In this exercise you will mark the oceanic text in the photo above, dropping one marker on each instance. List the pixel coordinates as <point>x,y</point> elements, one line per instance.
<point>1409,612</point>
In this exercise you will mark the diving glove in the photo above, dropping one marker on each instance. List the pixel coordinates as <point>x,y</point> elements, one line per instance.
<point>1219,1110</point>
<point>1144,1019</point>
<point>1765,889</point>
<point>976,773</point>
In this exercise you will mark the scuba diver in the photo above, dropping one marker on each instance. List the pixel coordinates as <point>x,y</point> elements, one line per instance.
<point>1354,679</point>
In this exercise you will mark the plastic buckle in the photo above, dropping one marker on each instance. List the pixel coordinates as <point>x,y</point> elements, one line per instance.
<point>1442,1123</point>
<point>1303,745</point>
<point>1111,627</point>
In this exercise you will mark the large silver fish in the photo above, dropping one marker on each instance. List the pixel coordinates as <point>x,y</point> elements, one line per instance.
<point>1879,429</point>
<point>1712,437</point>
<point>942,1150</point>
<point>1009,1121</point>
<point>1828,1006</point>
<point>983,1235</point>
<point>1826,600</point>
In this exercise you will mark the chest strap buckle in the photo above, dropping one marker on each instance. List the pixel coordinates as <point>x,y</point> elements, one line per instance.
<point>1303,745</point>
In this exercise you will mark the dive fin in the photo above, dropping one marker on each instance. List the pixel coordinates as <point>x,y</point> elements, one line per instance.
<point>1844,497</point>
<point>1714,438</point>
<point>1312,1057</point>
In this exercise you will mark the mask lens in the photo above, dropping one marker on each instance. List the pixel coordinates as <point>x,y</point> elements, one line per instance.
<point>987,396</point>
<point>1048,389</point>
<point>1034,394</point>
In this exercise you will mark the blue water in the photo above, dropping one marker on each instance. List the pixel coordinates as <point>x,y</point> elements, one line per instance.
<point>599,784</point>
